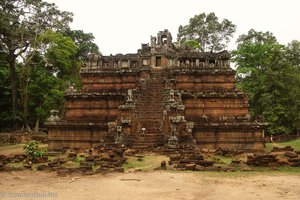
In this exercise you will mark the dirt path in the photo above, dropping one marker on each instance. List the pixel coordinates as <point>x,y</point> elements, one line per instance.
<point>151,185</point>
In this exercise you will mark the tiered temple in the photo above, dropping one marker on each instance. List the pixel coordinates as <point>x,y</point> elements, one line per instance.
<point>162,95</point>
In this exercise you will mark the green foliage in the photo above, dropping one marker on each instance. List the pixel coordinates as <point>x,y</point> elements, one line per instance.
<point>32,150</point>
<point>44,93</point>
<point>21,23</point>
<point>5,97</point>
<point>84,42</point>
<point>271,80</point>
<point>293,53</point>
<point>58,52</point>
<point>208,31</point>
<point>49,56</point>
<point>193,44</point>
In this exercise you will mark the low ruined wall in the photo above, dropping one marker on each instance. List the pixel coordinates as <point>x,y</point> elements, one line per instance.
<point>66,135</point>
<point>114,82</point>
<point>214,106</point>
<point>233,139</point>
<point>93,108</point>
<point>17,138</point>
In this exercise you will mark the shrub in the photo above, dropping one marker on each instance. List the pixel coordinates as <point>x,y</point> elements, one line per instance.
<point>32,150</point>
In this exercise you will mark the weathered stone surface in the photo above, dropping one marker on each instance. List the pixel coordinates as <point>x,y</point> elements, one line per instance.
<point>190,167</point>
<point>266,160</point>
<point>280,149</point>
<point>119,169</point>
<point>43,167</point>
<point>91,158</point>
<point>163,165</point>
<point>290,154</point>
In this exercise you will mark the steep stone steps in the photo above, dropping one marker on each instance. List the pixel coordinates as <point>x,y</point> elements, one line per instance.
<point>150,109</point>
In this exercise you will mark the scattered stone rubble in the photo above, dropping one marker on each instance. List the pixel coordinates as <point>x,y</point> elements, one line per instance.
<point>98,160</point>
<point>284,156</point>
<point>228,152</point>
<point>105,159</point>
<point>196,161</point>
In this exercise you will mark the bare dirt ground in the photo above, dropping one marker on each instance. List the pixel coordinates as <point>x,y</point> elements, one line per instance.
<point>150,185</point>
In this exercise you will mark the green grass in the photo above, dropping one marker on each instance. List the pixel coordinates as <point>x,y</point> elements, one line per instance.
<point>149,163</point>
<point>293,143</point>
<point>78,159</point>
<point>15,165</point>
<point>225,160</point>
<point>71,164</point>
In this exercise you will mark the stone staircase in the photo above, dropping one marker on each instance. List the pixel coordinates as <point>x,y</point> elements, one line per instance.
<point>150,112</point>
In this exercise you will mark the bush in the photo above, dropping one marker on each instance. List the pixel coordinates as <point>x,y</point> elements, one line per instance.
<point>32,150</point>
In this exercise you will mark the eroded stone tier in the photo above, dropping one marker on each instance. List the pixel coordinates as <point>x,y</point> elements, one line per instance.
<point>161,95</point>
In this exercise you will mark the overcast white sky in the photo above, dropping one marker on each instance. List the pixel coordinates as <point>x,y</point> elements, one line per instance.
<point>120,26</point>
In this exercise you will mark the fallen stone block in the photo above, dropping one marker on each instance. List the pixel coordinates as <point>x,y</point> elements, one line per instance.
<point>163,165</point>
<point>190,167</point>
<point>43,167</point>
<point>290,154</point>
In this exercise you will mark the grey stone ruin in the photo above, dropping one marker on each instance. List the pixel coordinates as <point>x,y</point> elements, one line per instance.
<point>173,140</point>
<point>129,96</point>
<point>54,116</point>
<point>189,126</point>
<point>71,89</point>
<point>119,138</point>
<point>171,96</point>
<point>153,41</point>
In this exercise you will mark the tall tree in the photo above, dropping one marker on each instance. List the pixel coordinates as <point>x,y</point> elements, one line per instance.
<point>44,93</point>
<point>5,94</point>
<point>208,31</point>
<point>293,53</point>
<point>270,79</point>
<point>84,42</point>
<point>21,21</point>
<point>55,51</point>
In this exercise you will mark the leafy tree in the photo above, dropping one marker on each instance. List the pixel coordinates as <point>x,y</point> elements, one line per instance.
<point>84,42</point>
<point>44,94</point>
<point>208,31</point>
<point>5,100</point>
<point>55,52</point>
<point>42,56</point>
<point>293,53</point>
<point>21,21</point>
<point>270,79</point>
<point>58,51</point>
<point>194,44</point>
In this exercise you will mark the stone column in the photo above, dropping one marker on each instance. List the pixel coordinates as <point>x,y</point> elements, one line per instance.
<point>129,62</point>
<point>197,62</point>
<point>187,62</point>
<point>153,61</point>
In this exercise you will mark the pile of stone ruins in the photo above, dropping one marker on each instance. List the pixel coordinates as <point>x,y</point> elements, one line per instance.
<point>160,96</point>
<point>102,160</point>
<point>284,156</point>
<point>93,161</point>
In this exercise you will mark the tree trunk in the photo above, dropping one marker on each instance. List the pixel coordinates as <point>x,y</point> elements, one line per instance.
<point>37,125</point>
<point>14,87</point>
<point>25,84</point>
